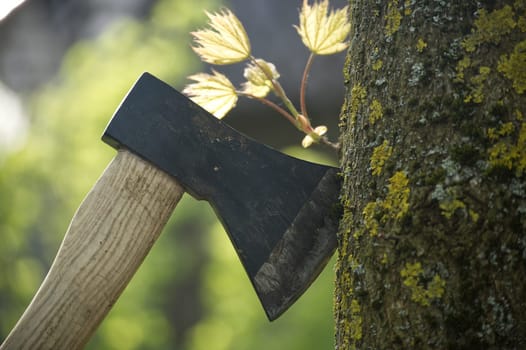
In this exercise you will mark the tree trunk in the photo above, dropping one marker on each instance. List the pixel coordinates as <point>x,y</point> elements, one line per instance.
<point>432,245</point>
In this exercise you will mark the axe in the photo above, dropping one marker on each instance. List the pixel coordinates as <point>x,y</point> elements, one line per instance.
<point>280,213</point>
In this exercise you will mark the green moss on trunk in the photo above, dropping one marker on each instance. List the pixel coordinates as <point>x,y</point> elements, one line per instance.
<point>432,245</point>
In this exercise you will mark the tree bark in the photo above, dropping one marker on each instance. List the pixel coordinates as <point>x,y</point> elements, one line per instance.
<point>432,245</point>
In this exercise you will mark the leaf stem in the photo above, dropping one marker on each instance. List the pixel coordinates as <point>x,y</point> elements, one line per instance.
<point>323,140</point>
<point>303,87</point>
<point>274,106</point>
<point>278,90</point>
<point>299,120</point>
<point>335,146</point>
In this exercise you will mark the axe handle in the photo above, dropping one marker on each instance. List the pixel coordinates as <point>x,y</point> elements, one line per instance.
<point>108,238</point>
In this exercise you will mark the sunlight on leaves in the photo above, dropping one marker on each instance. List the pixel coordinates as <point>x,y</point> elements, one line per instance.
<point>322,32</point>
<point>214,92</point>
<point>225,42</point>
<point>259,75</point>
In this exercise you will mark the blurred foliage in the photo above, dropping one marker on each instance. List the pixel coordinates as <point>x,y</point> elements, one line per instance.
<point>191,292</point>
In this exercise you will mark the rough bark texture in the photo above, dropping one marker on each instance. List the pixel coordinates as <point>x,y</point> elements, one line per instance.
<point>432,245</point>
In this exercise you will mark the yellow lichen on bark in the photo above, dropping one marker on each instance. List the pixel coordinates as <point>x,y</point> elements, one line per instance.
<point>462,65</point>
<point>396,203</point>
<point>377,65</point>
<point>423,252</point>
<point>509,146</point>
<point>477,81</point>
<point>351,329</point>
<point>394,207</point>
<point>380,155</point>
<point>369,218</point>
<point>393,18</point>
<point>422,293</point>
<point>421,45</point>
<point>376,111</point>
<point>356,320</point>
<point>358,94</point>
<point>449,207</point>
<point>490,27</point>
<point>514,67</point>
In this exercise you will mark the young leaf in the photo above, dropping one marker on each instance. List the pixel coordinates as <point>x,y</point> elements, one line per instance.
<point>323,33</point>
<point>215,93</point>
<point>225,42</point>
<point>314,136</point>
<point>259,75</point>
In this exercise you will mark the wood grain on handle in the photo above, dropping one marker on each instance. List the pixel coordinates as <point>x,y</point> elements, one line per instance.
<point>108,238</point>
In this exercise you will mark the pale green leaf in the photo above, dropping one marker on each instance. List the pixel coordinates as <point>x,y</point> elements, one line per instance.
<point>323,32</point>
<point>259,75</point>
<point>214,92</point>
<point>224,42</point>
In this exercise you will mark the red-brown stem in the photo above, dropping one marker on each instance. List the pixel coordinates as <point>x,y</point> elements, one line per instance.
<point>278,90</point>
<point>300,121</point>
<point>303,103</point>
<point>271,104</point>
<point>290,118</point>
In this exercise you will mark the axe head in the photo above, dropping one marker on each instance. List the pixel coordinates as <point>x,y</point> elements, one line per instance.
<point>280,212</point>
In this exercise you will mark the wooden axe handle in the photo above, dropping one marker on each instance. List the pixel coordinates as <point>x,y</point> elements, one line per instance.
<point>108,238</point>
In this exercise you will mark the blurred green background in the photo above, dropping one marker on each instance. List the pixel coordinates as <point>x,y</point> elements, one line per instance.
<point>191,292</point>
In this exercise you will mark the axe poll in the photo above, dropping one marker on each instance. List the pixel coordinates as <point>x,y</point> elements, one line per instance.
<point>280,213</point>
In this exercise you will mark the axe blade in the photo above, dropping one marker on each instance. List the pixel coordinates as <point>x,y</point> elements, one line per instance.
<point>280,212</point>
